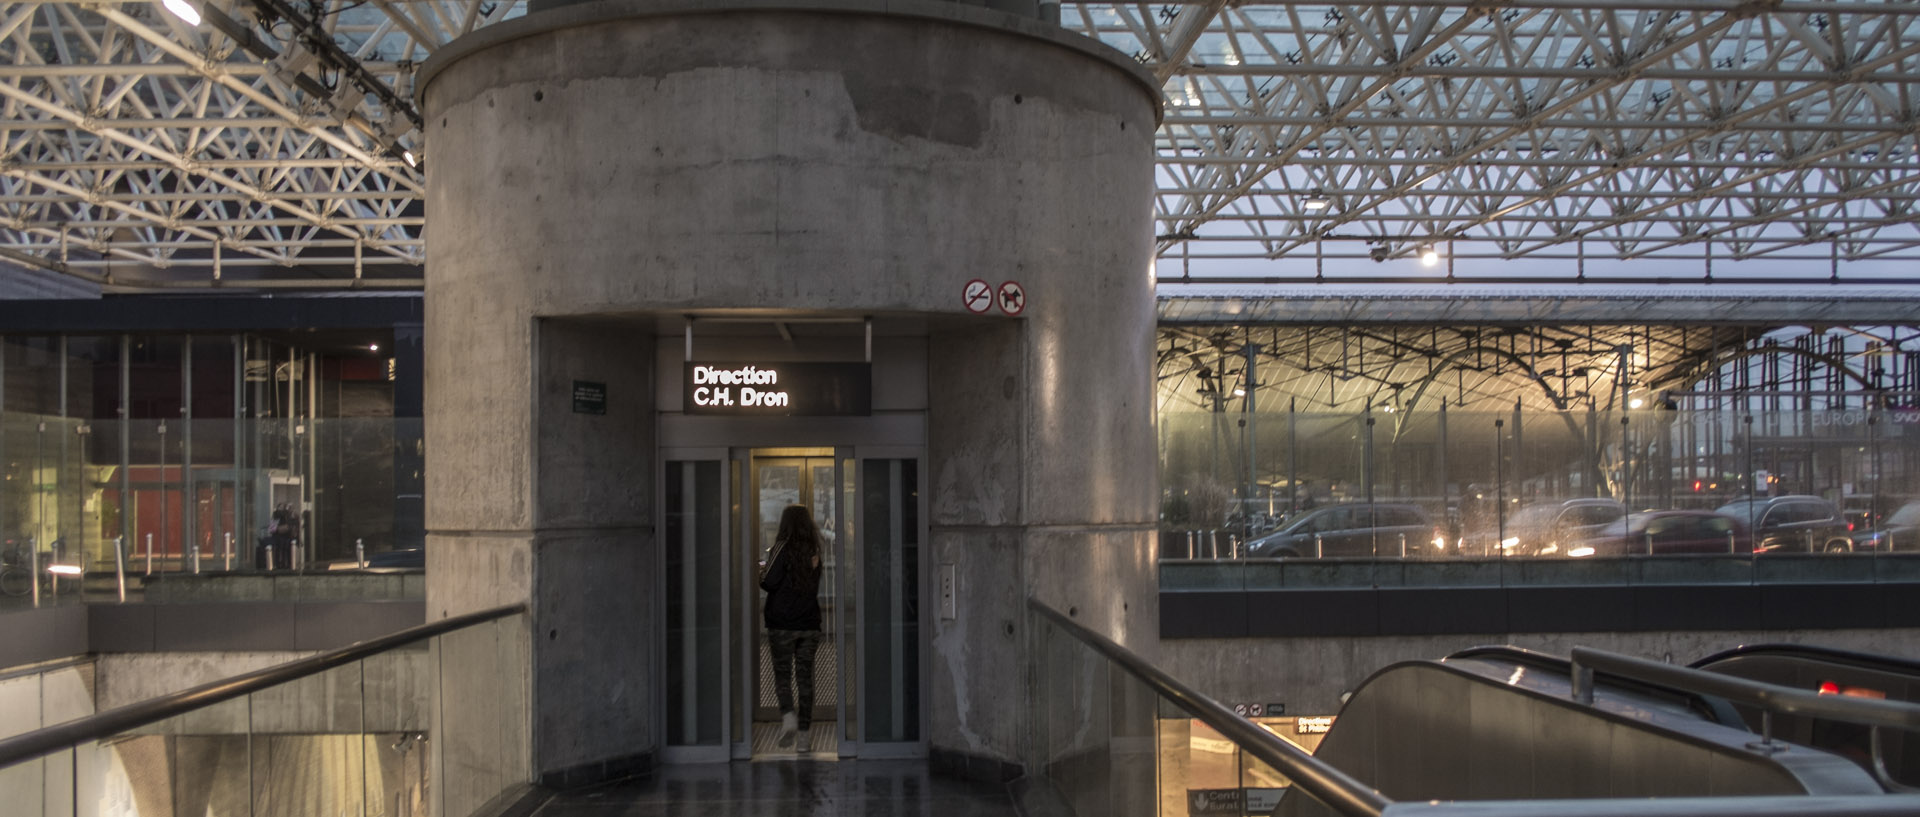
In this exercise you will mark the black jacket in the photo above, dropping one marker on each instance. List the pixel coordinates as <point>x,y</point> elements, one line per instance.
<point>793,591</point>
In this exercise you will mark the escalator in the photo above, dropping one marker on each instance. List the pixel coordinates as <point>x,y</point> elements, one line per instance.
<point>1502,723</point>
<point>1833,672</point>
<point>1487,732</point>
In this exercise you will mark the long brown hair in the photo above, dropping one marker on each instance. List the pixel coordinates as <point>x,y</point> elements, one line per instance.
<point>797,531</point>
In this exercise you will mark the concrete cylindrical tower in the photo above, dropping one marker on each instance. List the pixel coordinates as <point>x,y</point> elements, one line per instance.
<point>594,164</point>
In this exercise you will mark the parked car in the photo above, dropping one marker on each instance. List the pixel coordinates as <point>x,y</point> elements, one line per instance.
<point>1900,531</point>
<point>1665,532</point>
<point>1547,528</point>
<point>1793,524</point>
<point>1357,529</point>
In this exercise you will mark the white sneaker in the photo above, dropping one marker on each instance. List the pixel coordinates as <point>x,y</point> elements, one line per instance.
<point>788,722</point>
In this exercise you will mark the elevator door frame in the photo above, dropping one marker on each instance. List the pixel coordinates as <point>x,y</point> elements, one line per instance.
<point>747,545</point>
<point>855,507</point>
<point>735,495</point>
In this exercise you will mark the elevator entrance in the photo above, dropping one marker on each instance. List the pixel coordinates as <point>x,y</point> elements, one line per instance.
<point>720,512</point>
<point>810,478</point>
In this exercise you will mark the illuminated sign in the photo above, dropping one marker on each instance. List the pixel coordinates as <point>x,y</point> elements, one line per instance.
<point>1312,726</point>
<point>790,389</point>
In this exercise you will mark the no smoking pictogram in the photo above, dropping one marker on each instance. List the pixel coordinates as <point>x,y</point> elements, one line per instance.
<point>1013,298</point>
<point>978,296</point>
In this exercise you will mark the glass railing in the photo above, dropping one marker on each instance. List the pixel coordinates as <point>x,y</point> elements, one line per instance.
<point>1451,498</point>
<point>206,510</point>
<point>348,731</point>
<point>1114,735</point>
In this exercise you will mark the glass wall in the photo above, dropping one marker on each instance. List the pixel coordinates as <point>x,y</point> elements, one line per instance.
<point>130,459</point>
<point>1476,486</point>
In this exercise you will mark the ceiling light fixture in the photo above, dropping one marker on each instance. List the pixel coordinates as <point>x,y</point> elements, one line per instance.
<point>1429,256</point>
<point>183,10</point>
<point>1316,200</point>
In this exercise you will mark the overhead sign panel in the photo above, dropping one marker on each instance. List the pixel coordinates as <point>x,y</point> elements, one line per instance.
<point>793,389</point>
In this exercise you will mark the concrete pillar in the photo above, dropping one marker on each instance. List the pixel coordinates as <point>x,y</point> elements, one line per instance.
<point>592,165</point>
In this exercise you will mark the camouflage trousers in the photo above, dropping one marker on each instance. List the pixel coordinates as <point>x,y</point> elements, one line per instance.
<point>789,647</point>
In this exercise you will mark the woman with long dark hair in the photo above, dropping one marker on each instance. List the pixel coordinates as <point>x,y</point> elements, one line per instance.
<point>792,616</point>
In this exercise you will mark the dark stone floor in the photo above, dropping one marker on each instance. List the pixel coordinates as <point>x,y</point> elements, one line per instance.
<point>779,788</point>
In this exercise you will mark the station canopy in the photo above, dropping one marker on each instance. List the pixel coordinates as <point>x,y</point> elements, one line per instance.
<point>277,142</point>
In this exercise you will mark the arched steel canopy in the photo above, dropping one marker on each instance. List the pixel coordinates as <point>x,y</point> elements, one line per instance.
<point>1524,139</point>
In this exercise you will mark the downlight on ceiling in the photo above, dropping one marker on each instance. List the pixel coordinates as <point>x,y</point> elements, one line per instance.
<point>183,10</point>
<point>1429,256</point>
<point>1316,201</point>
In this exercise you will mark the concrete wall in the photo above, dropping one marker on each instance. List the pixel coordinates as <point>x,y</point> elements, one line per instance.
<point>1310,674</point>
<point>626,159</point>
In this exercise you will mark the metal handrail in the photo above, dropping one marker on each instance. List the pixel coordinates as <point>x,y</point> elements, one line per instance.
<point>1319,780</point>
<point>1849,658</point>
<point>21,748</point>
<point>1768,697</point>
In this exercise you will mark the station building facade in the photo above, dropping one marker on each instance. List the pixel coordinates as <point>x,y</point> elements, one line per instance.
<point>676,288</point>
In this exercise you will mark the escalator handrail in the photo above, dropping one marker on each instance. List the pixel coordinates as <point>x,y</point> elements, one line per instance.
<point>1849,658</point>
<point>25,747</point>
<point>1768,697</point>
<point>1332,787</point>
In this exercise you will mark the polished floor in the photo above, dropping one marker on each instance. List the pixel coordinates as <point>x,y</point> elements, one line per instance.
<point>782,788</point>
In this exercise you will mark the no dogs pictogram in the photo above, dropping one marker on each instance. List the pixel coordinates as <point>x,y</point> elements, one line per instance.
<point>1013,297</point>
<point>978,297</point>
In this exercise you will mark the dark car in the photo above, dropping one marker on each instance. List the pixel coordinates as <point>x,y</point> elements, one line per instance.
<point>1901,531</point>
<point>1547,528</point>
<point>1354,530</point>
<point>1793,524</point>
<point>1666,532</point>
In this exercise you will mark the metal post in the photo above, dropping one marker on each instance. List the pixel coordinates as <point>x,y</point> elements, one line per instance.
<point>1251,409</point>
<point>189,493</point>
<point>1319,547</point>
<point>149,554</point>
<point>1519,452</point>
<point>226,552</point>
<point>126,449</point>
<point>1293,461</point>
<point>1582,682</point>
<point>309,498</point>
<point>162,432</point>
<point>1440,464</point>
<point>59,476</point>
<point>33,565</point>
<point>296,558</point>
<point>360,552</point>
<point>1500,486</point>
<point>269,550</point>
<point>1766,743</point>
<point>120,565</point>
<point>240,519</point>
